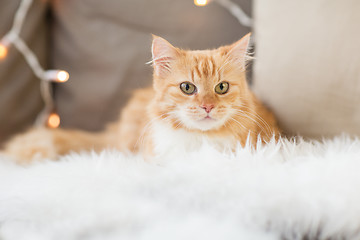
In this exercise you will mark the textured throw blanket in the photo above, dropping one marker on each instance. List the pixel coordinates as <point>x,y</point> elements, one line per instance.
<point>290,190</point>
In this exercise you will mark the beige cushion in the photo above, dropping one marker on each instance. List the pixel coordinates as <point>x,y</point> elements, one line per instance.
<point>308,64</point>
<point>105,44</point>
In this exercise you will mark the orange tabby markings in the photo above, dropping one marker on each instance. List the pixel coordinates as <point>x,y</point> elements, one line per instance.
<point>214,104</point>
<point>201,114</point>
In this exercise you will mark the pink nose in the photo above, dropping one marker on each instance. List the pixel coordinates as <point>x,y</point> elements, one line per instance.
<point>207,107</point>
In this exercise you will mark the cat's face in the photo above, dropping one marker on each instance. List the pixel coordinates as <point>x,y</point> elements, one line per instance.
<point>199,90</point>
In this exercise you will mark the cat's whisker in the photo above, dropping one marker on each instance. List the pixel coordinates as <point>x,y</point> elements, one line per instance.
<point>240,124</point>
<point>180,122</point>
<point>238,108</point>
<point>247,115</point>
<point>150,124</point>
<point>257,116</point>
<point>243,114</point>
<point>261,120</point>
<point>147,126</point>
<point>142,134</point>
<point>262,130</point>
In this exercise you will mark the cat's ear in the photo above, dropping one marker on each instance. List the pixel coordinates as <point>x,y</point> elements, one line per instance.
<point>238,51</point>
<point>163,53</point>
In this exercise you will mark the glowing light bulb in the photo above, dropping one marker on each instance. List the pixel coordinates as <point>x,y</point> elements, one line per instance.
<point>62,76</point>
<point>200,3</point>
<point>56,76</point>
<point>3,51</point>
<point>53,120</point>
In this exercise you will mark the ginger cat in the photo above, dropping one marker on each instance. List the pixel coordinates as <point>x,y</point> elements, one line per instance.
<point>196,96</point>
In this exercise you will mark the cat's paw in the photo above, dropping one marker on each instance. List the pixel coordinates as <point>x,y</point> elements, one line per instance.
<point>34,145</point>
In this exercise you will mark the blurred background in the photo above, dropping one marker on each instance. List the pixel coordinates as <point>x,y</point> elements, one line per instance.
<point>307,67</point>
<point>104,46</point>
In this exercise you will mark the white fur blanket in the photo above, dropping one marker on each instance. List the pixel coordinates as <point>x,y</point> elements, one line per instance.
<point>302,190</point>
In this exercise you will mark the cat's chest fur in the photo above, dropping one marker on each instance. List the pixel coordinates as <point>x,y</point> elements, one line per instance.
<point>169,141</point>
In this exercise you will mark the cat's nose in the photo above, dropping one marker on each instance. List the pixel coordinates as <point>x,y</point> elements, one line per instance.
<point>207,107</point>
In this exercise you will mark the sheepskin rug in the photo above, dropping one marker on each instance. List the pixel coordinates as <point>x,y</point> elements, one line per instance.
<point>294,189</point>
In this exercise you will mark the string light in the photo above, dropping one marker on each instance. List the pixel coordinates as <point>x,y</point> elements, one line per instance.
<point>56,76</point>
<point>53,120</point>
<point>47,116</point>
<point>5,43</point>
<point>232,7</point>
<point>62,76</point>
<point>200,2</point>
<point>3,51</point>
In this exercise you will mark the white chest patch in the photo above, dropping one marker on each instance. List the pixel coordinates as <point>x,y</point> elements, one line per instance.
<point>168,141</point>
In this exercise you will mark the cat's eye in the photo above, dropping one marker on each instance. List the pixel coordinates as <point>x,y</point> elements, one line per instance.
<point>188,88</point>
<point>222,88</point>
